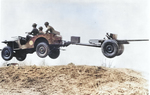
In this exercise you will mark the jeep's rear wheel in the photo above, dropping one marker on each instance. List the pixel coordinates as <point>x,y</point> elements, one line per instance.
<point>7,53</point>
<point>54,53</point>
<point>42,49</point>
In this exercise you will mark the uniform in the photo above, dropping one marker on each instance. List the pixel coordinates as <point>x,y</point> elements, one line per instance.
<point>41,32</point>
<point>34,32</point>
<point>51,29</point>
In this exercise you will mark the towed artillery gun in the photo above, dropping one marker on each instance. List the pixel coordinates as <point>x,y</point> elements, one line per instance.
<point>49,44</point>
<point>110,45</point>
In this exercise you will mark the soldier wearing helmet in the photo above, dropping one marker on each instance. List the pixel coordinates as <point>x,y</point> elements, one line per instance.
<point>50,29</point>
<point>41,30</point>
<point>35,30</point>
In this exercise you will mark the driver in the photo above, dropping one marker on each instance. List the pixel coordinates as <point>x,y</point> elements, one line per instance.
<point>50,29</point>
<point>35,30</point>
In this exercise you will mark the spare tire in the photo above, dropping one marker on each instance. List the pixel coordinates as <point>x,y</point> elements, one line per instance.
<point>7,53</point>
<point>109,48</point>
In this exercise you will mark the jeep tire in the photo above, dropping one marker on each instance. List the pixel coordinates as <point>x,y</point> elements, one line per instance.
<point>20,56</point>
<point>54,53</point>
<point>42,49</point>
<point>7,53</point>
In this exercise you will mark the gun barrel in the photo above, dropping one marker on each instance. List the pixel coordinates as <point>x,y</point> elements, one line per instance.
<point>139,40</point>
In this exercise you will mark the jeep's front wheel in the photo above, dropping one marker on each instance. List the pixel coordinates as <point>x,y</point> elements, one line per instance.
<point>7,53</point>
<point>42,49</point>
<point>21,56</point>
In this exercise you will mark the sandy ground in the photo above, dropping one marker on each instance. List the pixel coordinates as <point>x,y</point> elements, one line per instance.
<point>71,80</point>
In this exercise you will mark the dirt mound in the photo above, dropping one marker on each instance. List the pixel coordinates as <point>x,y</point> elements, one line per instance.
<point>70,80</point>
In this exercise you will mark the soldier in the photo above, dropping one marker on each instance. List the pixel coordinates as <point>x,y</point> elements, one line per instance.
<point>35,30</point>
<point>51,29</point>
<point>41,30</point>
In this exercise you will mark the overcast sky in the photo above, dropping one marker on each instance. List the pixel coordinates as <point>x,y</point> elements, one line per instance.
<point>89,19</point>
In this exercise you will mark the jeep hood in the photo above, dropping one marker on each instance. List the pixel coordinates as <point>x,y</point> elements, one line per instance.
<point>12,39</point>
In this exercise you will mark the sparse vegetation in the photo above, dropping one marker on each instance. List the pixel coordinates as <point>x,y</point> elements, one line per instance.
<point>107,64</point>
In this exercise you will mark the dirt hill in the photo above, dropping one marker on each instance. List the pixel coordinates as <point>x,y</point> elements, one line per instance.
<point>70,80</point>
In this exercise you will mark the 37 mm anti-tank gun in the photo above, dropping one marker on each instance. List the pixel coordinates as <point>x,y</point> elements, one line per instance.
<point>110,46</point>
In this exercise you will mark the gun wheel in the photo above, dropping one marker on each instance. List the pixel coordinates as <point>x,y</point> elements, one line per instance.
<point>121,49</point>
<point>110,48</point>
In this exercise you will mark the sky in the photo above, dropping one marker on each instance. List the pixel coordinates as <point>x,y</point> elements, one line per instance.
<point>89,19</point>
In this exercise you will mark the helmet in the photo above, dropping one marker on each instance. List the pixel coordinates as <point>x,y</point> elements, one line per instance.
<point>34,25</point>
<point>46,23</point>
<point>40,28</point>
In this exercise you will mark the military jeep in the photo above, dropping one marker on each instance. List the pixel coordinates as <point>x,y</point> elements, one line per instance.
<point>44,44</point>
